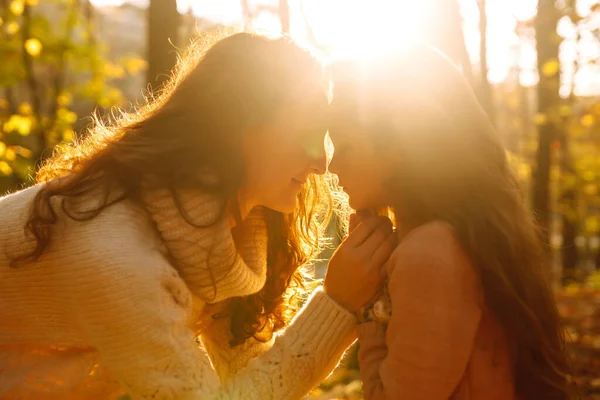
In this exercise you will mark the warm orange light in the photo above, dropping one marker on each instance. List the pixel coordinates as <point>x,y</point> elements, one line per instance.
<point>363,27</point>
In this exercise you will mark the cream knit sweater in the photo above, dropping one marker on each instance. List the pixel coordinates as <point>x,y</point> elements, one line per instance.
<point>103,311</point>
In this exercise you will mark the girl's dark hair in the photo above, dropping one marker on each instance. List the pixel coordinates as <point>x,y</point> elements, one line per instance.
<point>452,167</point>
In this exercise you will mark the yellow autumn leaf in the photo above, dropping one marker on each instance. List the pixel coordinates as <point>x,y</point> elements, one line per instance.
<point>572,288</point>
<point>1,21</point>
<point>564,110</point>
<point>16,7</point>
<point>66,116</point>
<point>590,189</point>
<point>113,70</point>
<point>25,109</point>
<point>115,96</point>
<point>2,149</point>
<point>11,124</point>
<point>18,123</point>
<point>135,65</point>
<point>104,102</point>
<point>32,2</point>
<point>588,120</point>
<point>588,175</point>
<point>12,27</point>
<point>592,224</point>
<point>33,47</point>
<point>550,68</point>
<point>5,169</point>
<point>64,99</point>
<point>68,135</point>
<point>10,154</point>
<point>24,126</point>
<point>96,86</point>
<point>540,119</point>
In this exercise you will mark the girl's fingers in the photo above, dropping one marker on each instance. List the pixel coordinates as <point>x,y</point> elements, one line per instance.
<point>365,229</point>
<point>358,217</point>
<point>384,251</point>
<point>379,236</point>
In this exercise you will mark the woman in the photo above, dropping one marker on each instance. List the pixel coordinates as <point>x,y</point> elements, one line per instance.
<point>472,316</point>
<point>194,215</point>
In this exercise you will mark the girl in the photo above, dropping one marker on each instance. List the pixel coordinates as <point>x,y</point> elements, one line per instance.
<point>193,215</point>
<point>472,316</point>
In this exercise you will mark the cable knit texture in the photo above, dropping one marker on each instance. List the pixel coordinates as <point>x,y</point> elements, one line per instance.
<point>111,305</point>
<point>442,341</point>
<point>207,258</point>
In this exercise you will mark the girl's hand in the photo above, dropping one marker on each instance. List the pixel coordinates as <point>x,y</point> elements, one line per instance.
<point>355,273</point>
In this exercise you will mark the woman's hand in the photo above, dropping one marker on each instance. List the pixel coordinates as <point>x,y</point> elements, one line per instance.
<point>355,272</point>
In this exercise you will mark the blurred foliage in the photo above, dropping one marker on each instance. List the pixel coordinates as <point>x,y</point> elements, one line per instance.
<point>53,72</point>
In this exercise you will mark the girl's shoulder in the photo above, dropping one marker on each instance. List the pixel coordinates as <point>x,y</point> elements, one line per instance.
<point>432,235</point>
<point>433,247</point>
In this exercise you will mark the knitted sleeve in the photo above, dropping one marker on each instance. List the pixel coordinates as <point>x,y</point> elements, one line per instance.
<point>309,349</point>
<point>215,335</point>
<point>135,309</point>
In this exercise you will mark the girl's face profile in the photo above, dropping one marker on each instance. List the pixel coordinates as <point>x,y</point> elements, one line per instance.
<point>361,168</point>
<point>280,156</point>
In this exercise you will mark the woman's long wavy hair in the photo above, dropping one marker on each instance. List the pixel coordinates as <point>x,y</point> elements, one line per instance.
<point>194,125</point>
<point>451,166</point>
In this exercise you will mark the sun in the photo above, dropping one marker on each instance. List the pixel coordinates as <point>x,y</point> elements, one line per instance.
<point>359,28</point>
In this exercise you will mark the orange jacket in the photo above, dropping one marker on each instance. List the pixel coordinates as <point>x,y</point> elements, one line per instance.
<point>442,341</point>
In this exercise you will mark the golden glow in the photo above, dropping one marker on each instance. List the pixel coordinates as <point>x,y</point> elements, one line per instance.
<point>356,27</point>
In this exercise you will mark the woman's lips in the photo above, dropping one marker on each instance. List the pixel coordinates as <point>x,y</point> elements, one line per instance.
<point>298,182</point>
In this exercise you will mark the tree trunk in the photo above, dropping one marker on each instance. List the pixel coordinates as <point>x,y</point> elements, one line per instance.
<point>32,83</point>
<point>568,197</point>
<point>548,100</point>
<point>569,253</point>
<point>34,87</point>
<point>284,16</point>
<point>485,90</point>
<point>444,31</point>
<point>246,13</point>
<point>163,24</point>
<point>61,67</point>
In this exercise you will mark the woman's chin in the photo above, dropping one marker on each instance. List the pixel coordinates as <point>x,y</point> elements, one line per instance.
<point>358,203</point>
<point>355,203</point>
